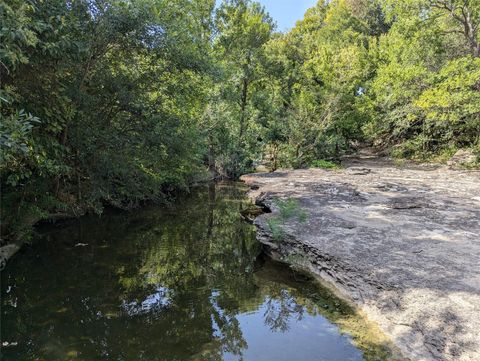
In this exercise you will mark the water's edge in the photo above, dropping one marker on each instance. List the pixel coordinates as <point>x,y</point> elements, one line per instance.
<point>127,230</point>
<point>366,334</point>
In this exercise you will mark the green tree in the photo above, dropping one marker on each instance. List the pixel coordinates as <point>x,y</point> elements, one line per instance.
<point>243,27</point>
<point>115,89</point>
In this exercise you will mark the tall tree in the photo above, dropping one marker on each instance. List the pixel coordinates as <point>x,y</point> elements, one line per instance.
<point>243,27</point>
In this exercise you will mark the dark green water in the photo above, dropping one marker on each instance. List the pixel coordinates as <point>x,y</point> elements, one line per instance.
<point>183,283</point>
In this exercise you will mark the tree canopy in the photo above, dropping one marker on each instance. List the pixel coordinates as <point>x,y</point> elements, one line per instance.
<point>119,102</point>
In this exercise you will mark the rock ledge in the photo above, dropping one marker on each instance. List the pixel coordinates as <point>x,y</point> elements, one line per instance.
<point>403,244</point>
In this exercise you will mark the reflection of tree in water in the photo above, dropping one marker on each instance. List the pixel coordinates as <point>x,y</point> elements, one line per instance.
<point>155,285</point>
<point>203,248</point>
<point>229,334</point>
<point>280,310</point>
<point>206,248</point>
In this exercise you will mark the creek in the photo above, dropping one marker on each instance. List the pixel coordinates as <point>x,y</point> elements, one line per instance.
<point>182,282</point>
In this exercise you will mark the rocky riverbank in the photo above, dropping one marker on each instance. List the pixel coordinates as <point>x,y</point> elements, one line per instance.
<point>402,243</point>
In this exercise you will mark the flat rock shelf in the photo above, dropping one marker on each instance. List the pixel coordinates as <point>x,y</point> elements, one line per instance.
<point>402,243</point>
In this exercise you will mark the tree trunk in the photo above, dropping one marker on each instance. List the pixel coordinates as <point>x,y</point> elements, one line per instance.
<point>212,169</point>
<point>463,15</point>
<point>243,106</point>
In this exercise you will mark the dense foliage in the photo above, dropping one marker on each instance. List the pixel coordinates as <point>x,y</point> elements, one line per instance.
<point>100,101</point>
<point>404,75</point>
<point>117,102</point>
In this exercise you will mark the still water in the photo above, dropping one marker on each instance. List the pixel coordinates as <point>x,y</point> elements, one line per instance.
<point>179,283</point>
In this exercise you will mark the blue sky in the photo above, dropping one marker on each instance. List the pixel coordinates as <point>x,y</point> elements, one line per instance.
<point>287,12</point>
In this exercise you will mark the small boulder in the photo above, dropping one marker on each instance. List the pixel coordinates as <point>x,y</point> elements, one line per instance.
<point>358,171</point>
<point>251,213</point>
<point>462,157</point>
<point>6,252</point>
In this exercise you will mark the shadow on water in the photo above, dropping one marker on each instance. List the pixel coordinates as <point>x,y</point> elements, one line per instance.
<point>183,283</point>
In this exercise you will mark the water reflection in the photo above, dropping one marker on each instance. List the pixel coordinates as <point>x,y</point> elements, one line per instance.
<point>182,283</point>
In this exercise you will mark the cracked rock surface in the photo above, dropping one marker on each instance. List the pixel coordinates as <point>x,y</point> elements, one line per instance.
<point>402,243</point>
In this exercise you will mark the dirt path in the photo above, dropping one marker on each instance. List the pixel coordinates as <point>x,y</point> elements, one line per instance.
<point>402,243</point>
